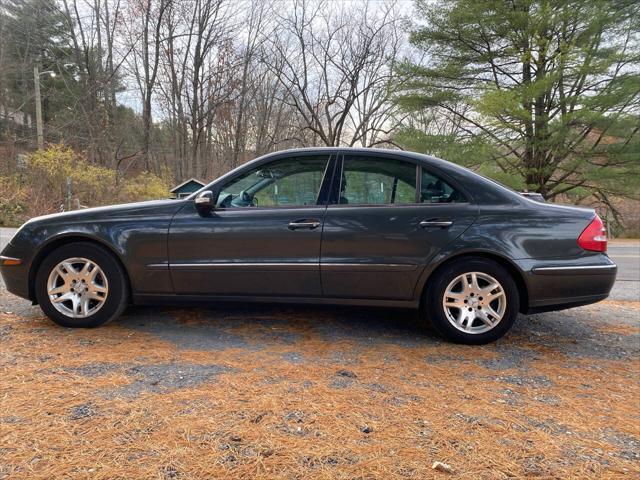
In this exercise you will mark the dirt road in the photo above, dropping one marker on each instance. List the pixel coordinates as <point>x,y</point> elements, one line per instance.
<point>298,392</point>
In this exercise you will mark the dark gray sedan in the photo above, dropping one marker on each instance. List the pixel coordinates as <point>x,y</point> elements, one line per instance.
<point>332,226</point>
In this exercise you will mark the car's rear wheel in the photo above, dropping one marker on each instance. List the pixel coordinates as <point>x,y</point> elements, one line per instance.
<point>472,300</point>
<point>81,285</point>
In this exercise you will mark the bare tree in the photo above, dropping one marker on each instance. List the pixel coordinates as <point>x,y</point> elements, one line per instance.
<point>143,30</point>
<point>337,67</point>
<point>255,24</point>
<point>200,86</point>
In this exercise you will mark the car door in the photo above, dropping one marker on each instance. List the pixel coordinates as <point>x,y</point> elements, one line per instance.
<point>388,217</point>
<point>263,238</point>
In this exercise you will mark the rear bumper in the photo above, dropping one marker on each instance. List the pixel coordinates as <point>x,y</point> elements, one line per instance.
<point>569,283</point>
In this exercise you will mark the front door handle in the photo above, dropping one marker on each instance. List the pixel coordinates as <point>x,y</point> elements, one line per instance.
<point>436,223</point>
<point>300,224</point>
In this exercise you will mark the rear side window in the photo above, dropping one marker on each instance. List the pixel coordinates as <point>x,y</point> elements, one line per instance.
<point>377,181</point>
<point>434,189</point>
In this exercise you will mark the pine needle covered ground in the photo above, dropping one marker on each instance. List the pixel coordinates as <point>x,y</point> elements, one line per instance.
<point>299,392</point>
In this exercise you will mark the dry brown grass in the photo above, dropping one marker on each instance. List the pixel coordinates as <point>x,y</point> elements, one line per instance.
<point>270,418</point>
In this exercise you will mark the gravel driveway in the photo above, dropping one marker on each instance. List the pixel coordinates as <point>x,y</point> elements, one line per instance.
<point>242,391</point>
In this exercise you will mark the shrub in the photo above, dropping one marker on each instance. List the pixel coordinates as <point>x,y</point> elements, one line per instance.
<point>13,202</point>
<point>42,188</point>
<point>49,170</point>
<point>145,186</point>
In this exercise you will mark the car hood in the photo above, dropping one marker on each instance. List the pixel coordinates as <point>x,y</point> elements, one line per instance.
<point>124,210</point>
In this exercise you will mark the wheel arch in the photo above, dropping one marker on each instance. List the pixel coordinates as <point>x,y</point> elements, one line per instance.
<point>516,273</point>
<point>59,241</point>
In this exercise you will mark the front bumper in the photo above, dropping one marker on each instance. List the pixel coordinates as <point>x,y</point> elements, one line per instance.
<point>14,270</point>
<point>556,285</point>
<point>16,279</point>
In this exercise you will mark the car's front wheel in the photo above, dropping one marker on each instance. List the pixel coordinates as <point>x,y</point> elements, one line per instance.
<point>472,300</point>
<point>81,285</point>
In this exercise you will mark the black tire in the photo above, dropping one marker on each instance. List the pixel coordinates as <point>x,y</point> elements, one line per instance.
<point>432,310</point>
<point>117,297</point>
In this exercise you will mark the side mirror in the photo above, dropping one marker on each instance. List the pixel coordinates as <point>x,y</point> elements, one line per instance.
<point>205,202</point>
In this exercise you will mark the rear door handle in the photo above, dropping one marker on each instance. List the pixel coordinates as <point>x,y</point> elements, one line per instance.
<point>300,224</point>
<point>436,223</point>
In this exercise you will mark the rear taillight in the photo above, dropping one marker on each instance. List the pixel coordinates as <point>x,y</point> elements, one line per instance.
<point>594,237</point>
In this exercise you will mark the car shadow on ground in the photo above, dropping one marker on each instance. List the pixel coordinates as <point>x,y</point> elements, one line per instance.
<point>589,332</point>
<point>607,330</point>
<point>235,325</point>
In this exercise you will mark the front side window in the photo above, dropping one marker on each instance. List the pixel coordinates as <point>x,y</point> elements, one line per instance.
<point>371,181</point>
<point>293,181</point>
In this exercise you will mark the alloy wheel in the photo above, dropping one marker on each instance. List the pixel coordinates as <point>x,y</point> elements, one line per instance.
<point>474,302</point>
<point>77,287</point>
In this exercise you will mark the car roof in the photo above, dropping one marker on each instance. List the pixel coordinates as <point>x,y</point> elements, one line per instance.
<point>388,151</point>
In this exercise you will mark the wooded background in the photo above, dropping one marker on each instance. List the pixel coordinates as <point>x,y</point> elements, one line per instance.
<point>540,95</point>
